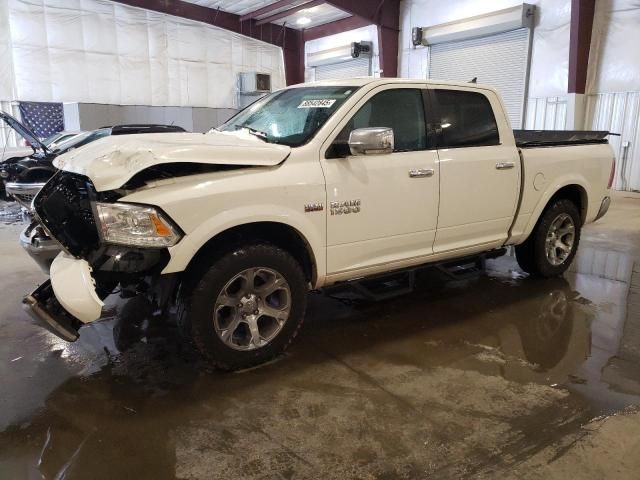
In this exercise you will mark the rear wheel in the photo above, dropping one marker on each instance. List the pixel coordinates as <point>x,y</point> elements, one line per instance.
<point>550,248</point>
<point>247,307</point>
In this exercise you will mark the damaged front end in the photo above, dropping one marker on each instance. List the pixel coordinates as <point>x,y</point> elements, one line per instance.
<point>105,243</point>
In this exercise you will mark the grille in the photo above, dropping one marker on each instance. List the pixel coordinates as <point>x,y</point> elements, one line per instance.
<point>24,199</point>
<point>64,207</point>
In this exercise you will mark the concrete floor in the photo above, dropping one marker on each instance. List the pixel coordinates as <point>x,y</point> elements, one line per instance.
<point>499,376</point>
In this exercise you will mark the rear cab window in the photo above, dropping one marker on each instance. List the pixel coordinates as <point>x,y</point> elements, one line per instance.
<point>464,119</point>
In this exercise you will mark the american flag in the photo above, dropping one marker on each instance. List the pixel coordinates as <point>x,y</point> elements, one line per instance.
<point>43,118</point>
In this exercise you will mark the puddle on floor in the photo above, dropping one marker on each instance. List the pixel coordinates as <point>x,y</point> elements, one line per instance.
<point>455,378</point>
<point>10,213</point>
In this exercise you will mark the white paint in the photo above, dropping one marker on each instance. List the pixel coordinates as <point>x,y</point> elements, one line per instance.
<point>110,161</point>
<point>75,288</point>
<point>398,221</point>
<point>478,201</point>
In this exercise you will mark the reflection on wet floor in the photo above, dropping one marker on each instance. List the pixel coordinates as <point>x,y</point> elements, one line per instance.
<point>458,378</point>
<point>10,213</point>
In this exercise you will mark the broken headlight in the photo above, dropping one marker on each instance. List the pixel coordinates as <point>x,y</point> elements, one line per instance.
<point>135,225</point>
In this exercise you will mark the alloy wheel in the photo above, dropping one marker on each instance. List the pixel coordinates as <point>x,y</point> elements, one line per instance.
<point>560,239</point>
<point>252,308</point>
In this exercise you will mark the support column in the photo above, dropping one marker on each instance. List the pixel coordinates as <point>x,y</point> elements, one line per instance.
<point>388,21</point>
<point>293,51</point>
<point>388,48</point>
<point>582,12</point>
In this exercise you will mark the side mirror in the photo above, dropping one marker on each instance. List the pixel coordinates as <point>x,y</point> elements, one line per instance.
<point>371,141</point>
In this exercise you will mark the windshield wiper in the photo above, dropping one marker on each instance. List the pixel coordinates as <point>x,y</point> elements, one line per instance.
<point>258,133</point>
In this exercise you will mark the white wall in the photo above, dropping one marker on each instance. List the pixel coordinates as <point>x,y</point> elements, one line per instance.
<point>98,51</point>
<point>549,56</point>
<point>6,67</point>
<point>613,84</point>
<point>364,34</point>
<point>89,116</point>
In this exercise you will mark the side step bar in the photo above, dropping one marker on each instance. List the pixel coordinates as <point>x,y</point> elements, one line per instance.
<point>45,309</point>
<point>394,284</point>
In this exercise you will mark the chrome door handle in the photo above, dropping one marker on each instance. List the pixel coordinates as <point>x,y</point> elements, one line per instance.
<point>505,165</point>
<point>421,172</point>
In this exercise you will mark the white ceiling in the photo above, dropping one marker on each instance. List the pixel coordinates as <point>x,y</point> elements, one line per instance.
<point>318,15</point>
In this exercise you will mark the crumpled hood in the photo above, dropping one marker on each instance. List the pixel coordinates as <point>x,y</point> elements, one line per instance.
<point>112,161</point>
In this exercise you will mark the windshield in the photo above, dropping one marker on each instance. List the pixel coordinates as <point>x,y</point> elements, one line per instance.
<point>290,117</point>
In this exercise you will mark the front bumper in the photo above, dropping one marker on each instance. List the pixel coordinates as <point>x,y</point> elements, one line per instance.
<point>66,301</point>
<point>75,288</point>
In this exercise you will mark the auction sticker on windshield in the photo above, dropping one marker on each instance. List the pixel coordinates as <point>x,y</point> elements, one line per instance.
<point>317,103</point>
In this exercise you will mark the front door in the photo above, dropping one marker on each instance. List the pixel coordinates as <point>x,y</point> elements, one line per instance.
<point>382,209</point>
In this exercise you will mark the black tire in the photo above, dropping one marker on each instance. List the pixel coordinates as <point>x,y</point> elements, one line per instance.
<point>196,312</point>
<point>531,254</point>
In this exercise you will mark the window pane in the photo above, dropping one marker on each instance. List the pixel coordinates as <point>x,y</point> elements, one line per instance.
<point>401,109</point>
<point>466,119</point>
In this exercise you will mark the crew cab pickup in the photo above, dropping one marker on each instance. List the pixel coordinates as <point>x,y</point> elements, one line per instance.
<point>311,185</point>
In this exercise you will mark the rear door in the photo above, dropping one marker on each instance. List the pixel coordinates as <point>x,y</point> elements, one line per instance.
<point>479,169</point>
<point>383,209</point>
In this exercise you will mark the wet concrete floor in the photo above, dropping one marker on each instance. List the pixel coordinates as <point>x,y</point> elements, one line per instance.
<point>494,376</point>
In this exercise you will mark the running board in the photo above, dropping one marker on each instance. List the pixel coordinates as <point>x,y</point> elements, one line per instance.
<point>391,285</point>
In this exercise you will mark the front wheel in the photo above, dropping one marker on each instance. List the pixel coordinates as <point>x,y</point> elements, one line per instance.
<point>550,248</point>
<point>247,307</point>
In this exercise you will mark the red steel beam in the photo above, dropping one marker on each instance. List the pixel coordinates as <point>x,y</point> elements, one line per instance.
<point>339,26</point>
<point>289,11</point>
<point>582,12</point>
<point>388,50</point>
<point>288,38</point>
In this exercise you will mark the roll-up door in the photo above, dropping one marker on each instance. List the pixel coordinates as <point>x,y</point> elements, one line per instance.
<point>500,61</point>
<point>358,67</point>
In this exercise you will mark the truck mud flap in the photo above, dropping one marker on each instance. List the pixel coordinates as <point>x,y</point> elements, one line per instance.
<point>43,307</point>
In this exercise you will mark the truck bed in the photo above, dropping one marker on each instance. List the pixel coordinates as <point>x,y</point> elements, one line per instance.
<point>552,138</point>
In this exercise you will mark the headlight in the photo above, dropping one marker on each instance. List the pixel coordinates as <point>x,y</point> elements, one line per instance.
<point>128,224</point>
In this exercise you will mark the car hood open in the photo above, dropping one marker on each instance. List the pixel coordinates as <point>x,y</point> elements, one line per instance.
<point>112,161</point>
<point>23,131</point>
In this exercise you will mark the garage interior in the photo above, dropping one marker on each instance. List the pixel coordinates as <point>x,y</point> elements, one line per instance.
<point>482,374</point>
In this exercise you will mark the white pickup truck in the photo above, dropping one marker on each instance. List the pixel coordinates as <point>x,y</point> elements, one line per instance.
<point>312,185</point>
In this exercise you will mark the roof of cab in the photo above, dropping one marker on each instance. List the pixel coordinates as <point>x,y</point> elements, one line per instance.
<point>362,81</point>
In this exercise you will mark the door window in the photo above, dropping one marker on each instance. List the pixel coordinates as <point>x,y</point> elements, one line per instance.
<point>401,109</point>
<point>466,119</point>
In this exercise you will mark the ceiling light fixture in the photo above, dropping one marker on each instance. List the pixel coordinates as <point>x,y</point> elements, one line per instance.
<point>303,21</point>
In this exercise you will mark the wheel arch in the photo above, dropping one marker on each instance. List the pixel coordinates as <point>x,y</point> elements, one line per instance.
<point>577,194</point>
<point>277,233</point>
<point>573,189</point>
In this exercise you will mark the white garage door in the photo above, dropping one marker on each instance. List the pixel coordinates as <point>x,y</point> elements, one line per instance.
<point>358,67</point>
<point>500,61</point>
